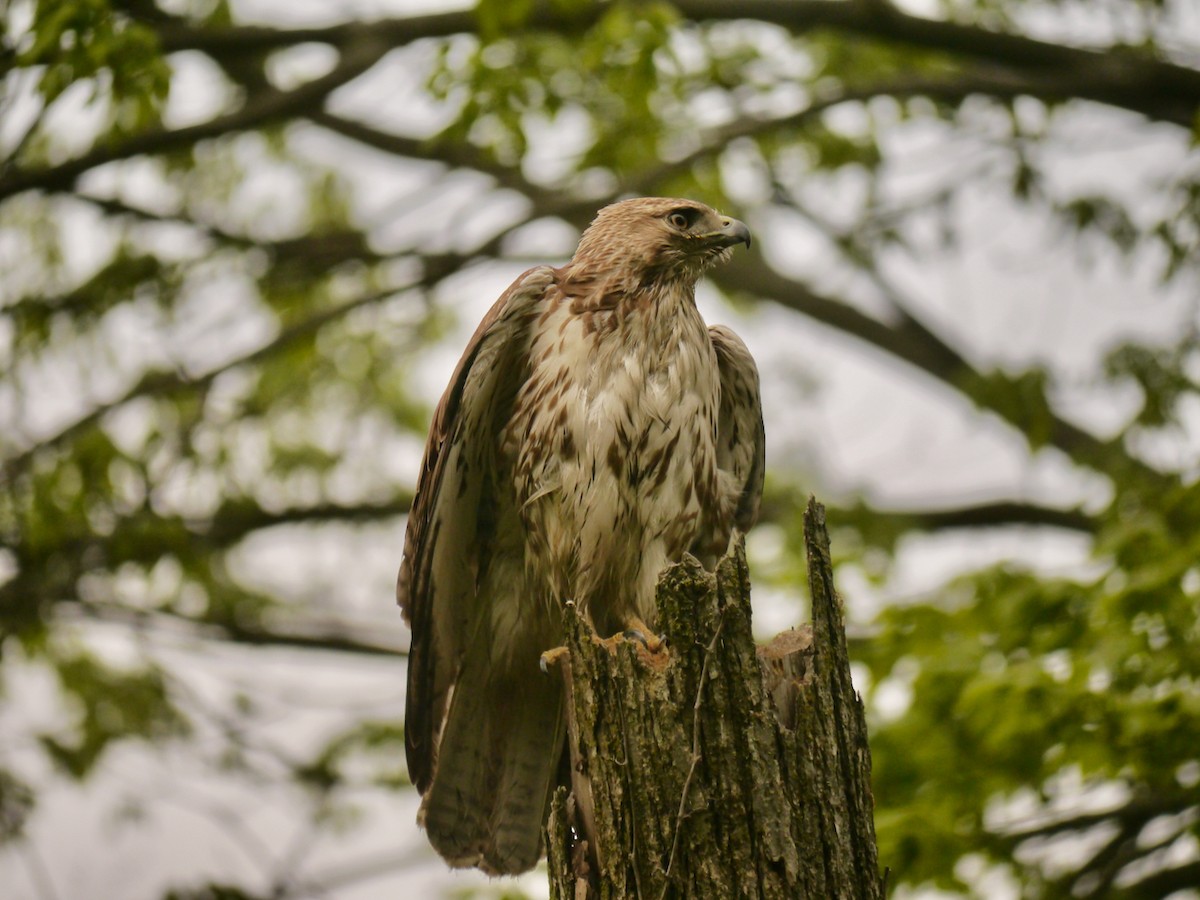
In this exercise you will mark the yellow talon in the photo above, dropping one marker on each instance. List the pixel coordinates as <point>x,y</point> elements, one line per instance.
<point>641,632</point>
<point>551,658</point>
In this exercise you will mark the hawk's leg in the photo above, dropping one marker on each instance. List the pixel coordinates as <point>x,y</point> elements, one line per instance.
<point>635,630</point>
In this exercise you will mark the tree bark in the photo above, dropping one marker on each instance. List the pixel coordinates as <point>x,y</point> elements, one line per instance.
<point>714,768</point>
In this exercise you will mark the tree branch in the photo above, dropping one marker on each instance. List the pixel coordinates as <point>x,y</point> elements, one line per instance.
<point>339,637</point>
<point>1004,512</point>
<point>1133,814</point>
<point>459,155</point>
<point>1114,76</point>
<point>226,40</point>
<point>908,340</point>
<point>234,520</point>
<point>269,105</point>
<point>998,514</point>
<point>318,248</point>
<point>1162,883</point>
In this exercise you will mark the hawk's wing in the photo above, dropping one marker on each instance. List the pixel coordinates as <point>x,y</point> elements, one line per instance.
<point>741,438</point>
<point>436,587</point>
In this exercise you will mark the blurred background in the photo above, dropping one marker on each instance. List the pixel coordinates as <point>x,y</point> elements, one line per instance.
<point>243,242</point>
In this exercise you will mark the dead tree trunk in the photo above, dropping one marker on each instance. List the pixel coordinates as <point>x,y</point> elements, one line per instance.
<point>716,769</point>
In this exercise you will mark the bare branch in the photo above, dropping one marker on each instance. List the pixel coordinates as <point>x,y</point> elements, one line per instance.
<point>1132,814</point>
<point>989,515</point>
<point>330,637</point>
<point>778,507</point>
<point>1162,883</point>
<point>234,520</point>
<point>323,248</point>
<point>220,41</point>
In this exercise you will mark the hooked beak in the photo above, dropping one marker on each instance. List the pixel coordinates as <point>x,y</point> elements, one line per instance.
<point>732,231</point>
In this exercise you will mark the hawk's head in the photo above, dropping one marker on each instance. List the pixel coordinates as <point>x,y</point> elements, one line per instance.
<point>658,236</point>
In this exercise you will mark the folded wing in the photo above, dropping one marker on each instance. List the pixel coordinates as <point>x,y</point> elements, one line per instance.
<point>741,438</point>
<point>453,509</point>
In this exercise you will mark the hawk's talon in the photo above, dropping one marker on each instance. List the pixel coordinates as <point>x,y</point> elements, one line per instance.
<point>551,658</point>
<point>653,644</point>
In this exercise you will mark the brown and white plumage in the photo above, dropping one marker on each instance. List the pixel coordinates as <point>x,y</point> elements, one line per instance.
<point>594,431</point>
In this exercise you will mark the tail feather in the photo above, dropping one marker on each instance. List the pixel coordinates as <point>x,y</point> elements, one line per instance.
<point>497,762</point>
<point>452,810</point>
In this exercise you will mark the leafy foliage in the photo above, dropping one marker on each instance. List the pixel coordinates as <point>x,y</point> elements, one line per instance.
<point>1032,681</point>
<point>112,705</point>
<point>90,44</point>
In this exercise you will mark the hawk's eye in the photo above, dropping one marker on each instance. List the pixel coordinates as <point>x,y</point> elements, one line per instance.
<point>682,218</point>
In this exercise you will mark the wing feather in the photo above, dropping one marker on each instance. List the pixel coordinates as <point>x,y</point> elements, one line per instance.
<point>741,437</point>
<point>437,580</point>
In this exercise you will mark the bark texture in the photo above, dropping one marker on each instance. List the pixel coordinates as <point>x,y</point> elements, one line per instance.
<point>715,768</point>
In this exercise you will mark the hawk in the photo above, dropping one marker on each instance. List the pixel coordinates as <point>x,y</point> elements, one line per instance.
<point>594,431</point>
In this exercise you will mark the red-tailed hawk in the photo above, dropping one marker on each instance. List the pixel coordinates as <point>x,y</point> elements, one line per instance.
<point>594,431</point>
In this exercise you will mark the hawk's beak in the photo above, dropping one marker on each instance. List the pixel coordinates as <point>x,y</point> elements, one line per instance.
<point>732,231</point>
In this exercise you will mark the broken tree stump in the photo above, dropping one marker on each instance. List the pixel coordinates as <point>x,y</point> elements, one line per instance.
<point>716,769</point>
